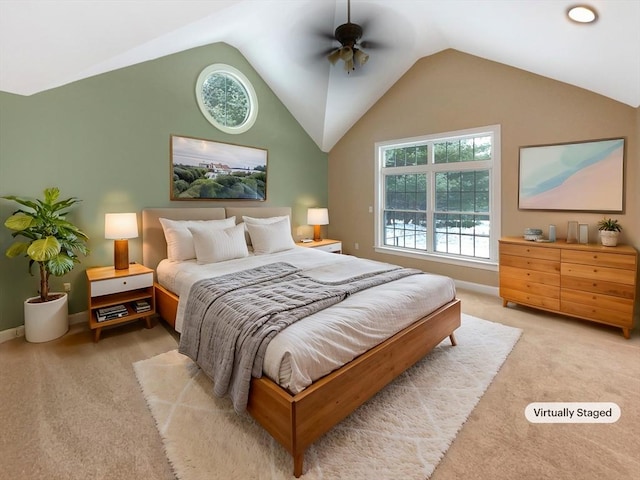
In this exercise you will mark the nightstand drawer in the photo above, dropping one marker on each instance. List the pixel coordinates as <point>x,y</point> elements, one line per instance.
<point>122,284</point>
<point>332,247</point>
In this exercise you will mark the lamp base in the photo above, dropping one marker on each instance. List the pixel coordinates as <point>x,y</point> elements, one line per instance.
<point>316,233</point>
<point>121,254</point>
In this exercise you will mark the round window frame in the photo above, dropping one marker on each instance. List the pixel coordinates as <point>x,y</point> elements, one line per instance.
<point>246,84</point>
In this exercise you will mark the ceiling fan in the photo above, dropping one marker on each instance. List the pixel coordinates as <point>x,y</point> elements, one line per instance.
<point>350,51</point>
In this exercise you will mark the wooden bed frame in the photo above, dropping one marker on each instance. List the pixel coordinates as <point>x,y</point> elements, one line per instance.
<point>296,421</point>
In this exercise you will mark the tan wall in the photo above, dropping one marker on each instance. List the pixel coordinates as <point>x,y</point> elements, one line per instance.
<point>454,91</point>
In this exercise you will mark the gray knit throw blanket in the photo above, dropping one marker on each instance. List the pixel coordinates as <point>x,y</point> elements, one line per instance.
<point>229,320</point>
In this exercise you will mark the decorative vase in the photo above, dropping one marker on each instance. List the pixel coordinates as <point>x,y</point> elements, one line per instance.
<point>572,232</point>
<point>609,238</point>
<point>46,321</point>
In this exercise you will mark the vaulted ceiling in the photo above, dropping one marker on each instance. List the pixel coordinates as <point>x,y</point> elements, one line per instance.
<point>48,43</point>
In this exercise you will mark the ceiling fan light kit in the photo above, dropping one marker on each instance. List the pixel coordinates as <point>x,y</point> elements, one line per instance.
<point>361,57</point>
<point>346,54</point>
<point>348,34</point>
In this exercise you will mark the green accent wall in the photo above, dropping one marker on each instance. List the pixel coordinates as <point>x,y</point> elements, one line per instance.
<point>105,140</point>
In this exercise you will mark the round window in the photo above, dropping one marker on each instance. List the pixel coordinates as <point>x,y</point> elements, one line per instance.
<point>226,98</point>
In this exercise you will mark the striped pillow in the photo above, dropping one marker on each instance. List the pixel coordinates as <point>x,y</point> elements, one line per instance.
<point>218,245</point>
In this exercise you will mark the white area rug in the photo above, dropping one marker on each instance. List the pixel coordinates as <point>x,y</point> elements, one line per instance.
<point>402,432</point>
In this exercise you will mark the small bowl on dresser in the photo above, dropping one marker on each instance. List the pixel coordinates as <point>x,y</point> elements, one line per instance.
<point>532,234</point>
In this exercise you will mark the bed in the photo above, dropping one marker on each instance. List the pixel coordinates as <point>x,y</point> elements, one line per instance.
<point>296,415</point>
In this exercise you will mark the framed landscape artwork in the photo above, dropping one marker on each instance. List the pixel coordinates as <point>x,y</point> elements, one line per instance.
<point>585,176</point>
<point>207,170</point>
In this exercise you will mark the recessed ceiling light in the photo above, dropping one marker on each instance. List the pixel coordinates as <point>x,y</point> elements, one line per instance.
<point>582,14</point>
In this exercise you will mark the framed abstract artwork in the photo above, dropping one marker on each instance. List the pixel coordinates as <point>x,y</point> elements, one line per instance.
<point>583,176</point>
<point>207,170</point>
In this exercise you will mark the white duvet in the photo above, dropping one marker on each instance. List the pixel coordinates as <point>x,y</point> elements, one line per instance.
<point>326,340</point>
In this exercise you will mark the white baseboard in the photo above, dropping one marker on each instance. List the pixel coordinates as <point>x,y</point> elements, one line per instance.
<point>477,287</point>
<point>80,317</point>
<point>11,333</point>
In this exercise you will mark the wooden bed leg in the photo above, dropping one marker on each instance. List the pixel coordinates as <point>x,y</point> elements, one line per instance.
<point>453,340</point>
<point>298,461</point>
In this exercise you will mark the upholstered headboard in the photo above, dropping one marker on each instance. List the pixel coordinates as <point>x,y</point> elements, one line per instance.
<point>154,246</point>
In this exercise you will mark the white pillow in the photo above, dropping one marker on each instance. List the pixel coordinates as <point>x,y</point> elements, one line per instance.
<point>217,245</point>
<point>271,237</point>
<point>180,240</point>
<point>264,221</point>
<point>260,221</point>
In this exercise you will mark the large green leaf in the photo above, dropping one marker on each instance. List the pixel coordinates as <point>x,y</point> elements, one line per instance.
<point>44,249</point>
<point>18,221</point>
<point>60,265</point>
<point>17,249</point>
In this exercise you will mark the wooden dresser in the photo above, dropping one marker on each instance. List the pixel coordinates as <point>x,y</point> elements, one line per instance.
<point>591,282</point>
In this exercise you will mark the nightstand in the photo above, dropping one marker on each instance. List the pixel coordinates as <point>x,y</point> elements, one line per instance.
<point>130,288</point>
<point>326,244</point>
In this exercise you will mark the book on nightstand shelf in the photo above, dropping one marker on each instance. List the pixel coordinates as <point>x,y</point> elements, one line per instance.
<point>141,306</point>
<point>109,313</point>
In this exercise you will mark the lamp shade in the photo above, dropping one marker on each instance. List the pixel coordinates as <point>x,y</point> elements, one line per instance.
<point>318,216</point>
<point>118,226</point>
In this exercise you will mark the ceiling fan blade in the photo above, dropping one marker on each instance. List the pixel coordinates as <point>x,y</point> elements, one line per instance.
<point>324,35</point>
<point>324,53</point>
<point>365,23</point>
<point>372,45</point>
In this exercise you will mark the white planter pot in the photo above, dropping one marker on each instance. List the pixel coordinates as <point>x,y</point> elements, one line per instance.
<point>609,239</point>
<point>46,321</point>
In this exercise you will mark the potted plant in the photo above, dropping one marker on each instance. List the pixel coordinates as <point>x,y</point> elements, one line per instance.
<point>609,231</point>
<point>53,243</point>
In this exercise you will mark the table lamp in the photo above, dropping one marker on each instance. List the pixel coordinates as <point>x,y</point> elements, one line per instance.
<point>317,217</point>
<point>120,227</point>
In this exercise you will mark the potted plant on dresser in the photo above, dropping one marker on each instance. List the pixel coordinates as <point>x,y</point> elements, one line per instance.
<point>609,231</point>
<point>53,243</point>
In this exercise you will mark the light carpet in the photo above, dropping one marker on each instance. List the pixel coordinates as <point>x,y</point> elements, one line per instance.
<point>402,432</point>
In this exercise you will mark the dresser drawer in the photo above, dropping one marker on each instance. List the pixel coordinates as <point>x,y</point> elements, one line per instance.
<point>122,284</point>
<point>545,253</point>
<point>528,298</point>
<point>507,273</point>
<point>602,259</point>
<point>513,284</point>
<point>529,263</point>
<point>592,312</point>
<point>596,272</point>
<point>599,286</point>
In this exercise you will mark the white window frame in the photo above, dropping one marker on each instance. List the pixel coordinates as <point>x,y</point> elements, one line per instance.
<point>495,195</point>
<point>239,77</point>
